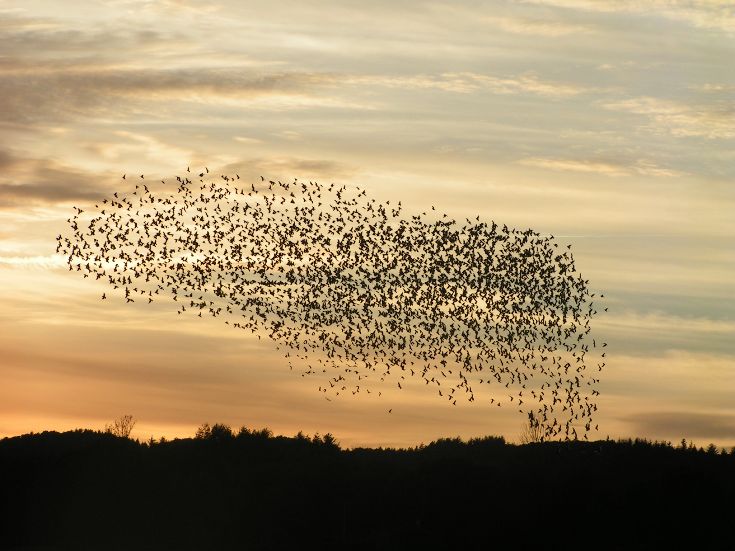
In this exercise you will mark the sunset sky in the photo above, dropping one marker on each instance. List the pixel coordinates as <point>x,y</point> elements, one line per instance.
<point>607,123</point>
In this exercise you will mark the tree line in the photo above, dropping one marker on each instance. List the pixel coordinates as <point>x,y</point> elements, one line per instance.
<point>251,489</point>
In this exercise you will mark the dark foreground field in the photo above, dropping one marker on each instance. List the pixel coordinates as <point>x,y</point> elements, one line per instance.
<point>89,490</point>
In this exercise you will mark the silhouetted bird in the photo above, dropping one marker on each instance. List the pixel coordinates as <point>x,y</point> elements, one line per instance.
<point>358,292</point>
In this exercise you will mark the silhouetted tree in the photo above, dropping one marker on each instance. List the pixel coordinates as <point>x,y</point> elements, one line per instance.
<point>203,431</point>
<point>121,427</point>
<point>264,433</point>
<point>531,432</point>
<point>220,431</point>
<point>329,441</point>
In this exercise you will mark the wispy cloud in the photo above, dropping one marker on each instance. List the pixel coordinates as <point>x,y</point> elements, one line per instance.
<point>712,87</point>
<point>141,146</point>
<point>291,167</point>
<point>247,140</point>
<point>25,181</point>
<point>536,27</point>
<point>712,14</point>
<point>606,168</point>
<point>38,261</point>
<point>49,95</point>
<point>679,119</point>
<point>661,323</point>
<point>469,82</point>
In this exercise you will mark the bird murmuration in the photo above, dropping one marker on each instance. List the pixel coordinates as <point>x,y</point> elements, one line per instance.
<point>353,289</point>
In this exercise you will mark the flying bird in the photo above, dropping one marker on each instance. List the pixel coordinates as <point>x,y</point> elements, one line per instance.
<point>357,291</point>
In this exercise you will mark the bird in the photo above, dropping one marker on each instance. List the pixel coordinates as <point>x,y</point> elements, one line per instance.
<point>336,279</point>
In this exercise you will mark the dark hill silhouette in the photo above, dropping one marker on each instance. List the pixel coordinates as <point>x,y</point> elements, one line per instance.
<point>89,490</point>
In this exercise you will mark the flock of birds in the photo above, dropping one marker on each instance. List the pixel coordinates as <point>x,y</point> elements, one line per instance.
<point>356,292</point>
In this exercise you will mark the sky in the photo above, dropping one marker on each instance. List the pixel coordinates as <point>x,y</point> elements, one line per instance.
<point>609,124</point>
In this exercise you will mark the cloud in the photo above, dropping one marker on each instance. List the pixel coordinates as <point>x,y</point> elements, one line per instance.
<point>709,87</point>
<point>42,95</point>
<point>605,168</point>
<point>116,93</point>
<point>47,262</point>
<point>247,140</point>
<point>56,44</point>
<point>536,27</point>
<point>711,121</point>
<point>283,167</point>
<point>678,424</point>
<point>673,329</point>
<point>28,180</point>
<point>46,192</point>
<point>709,14</point>
<point>36,181</point>
<point>141,146</point>
<point>469,82</point>
<point>175,7</point>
